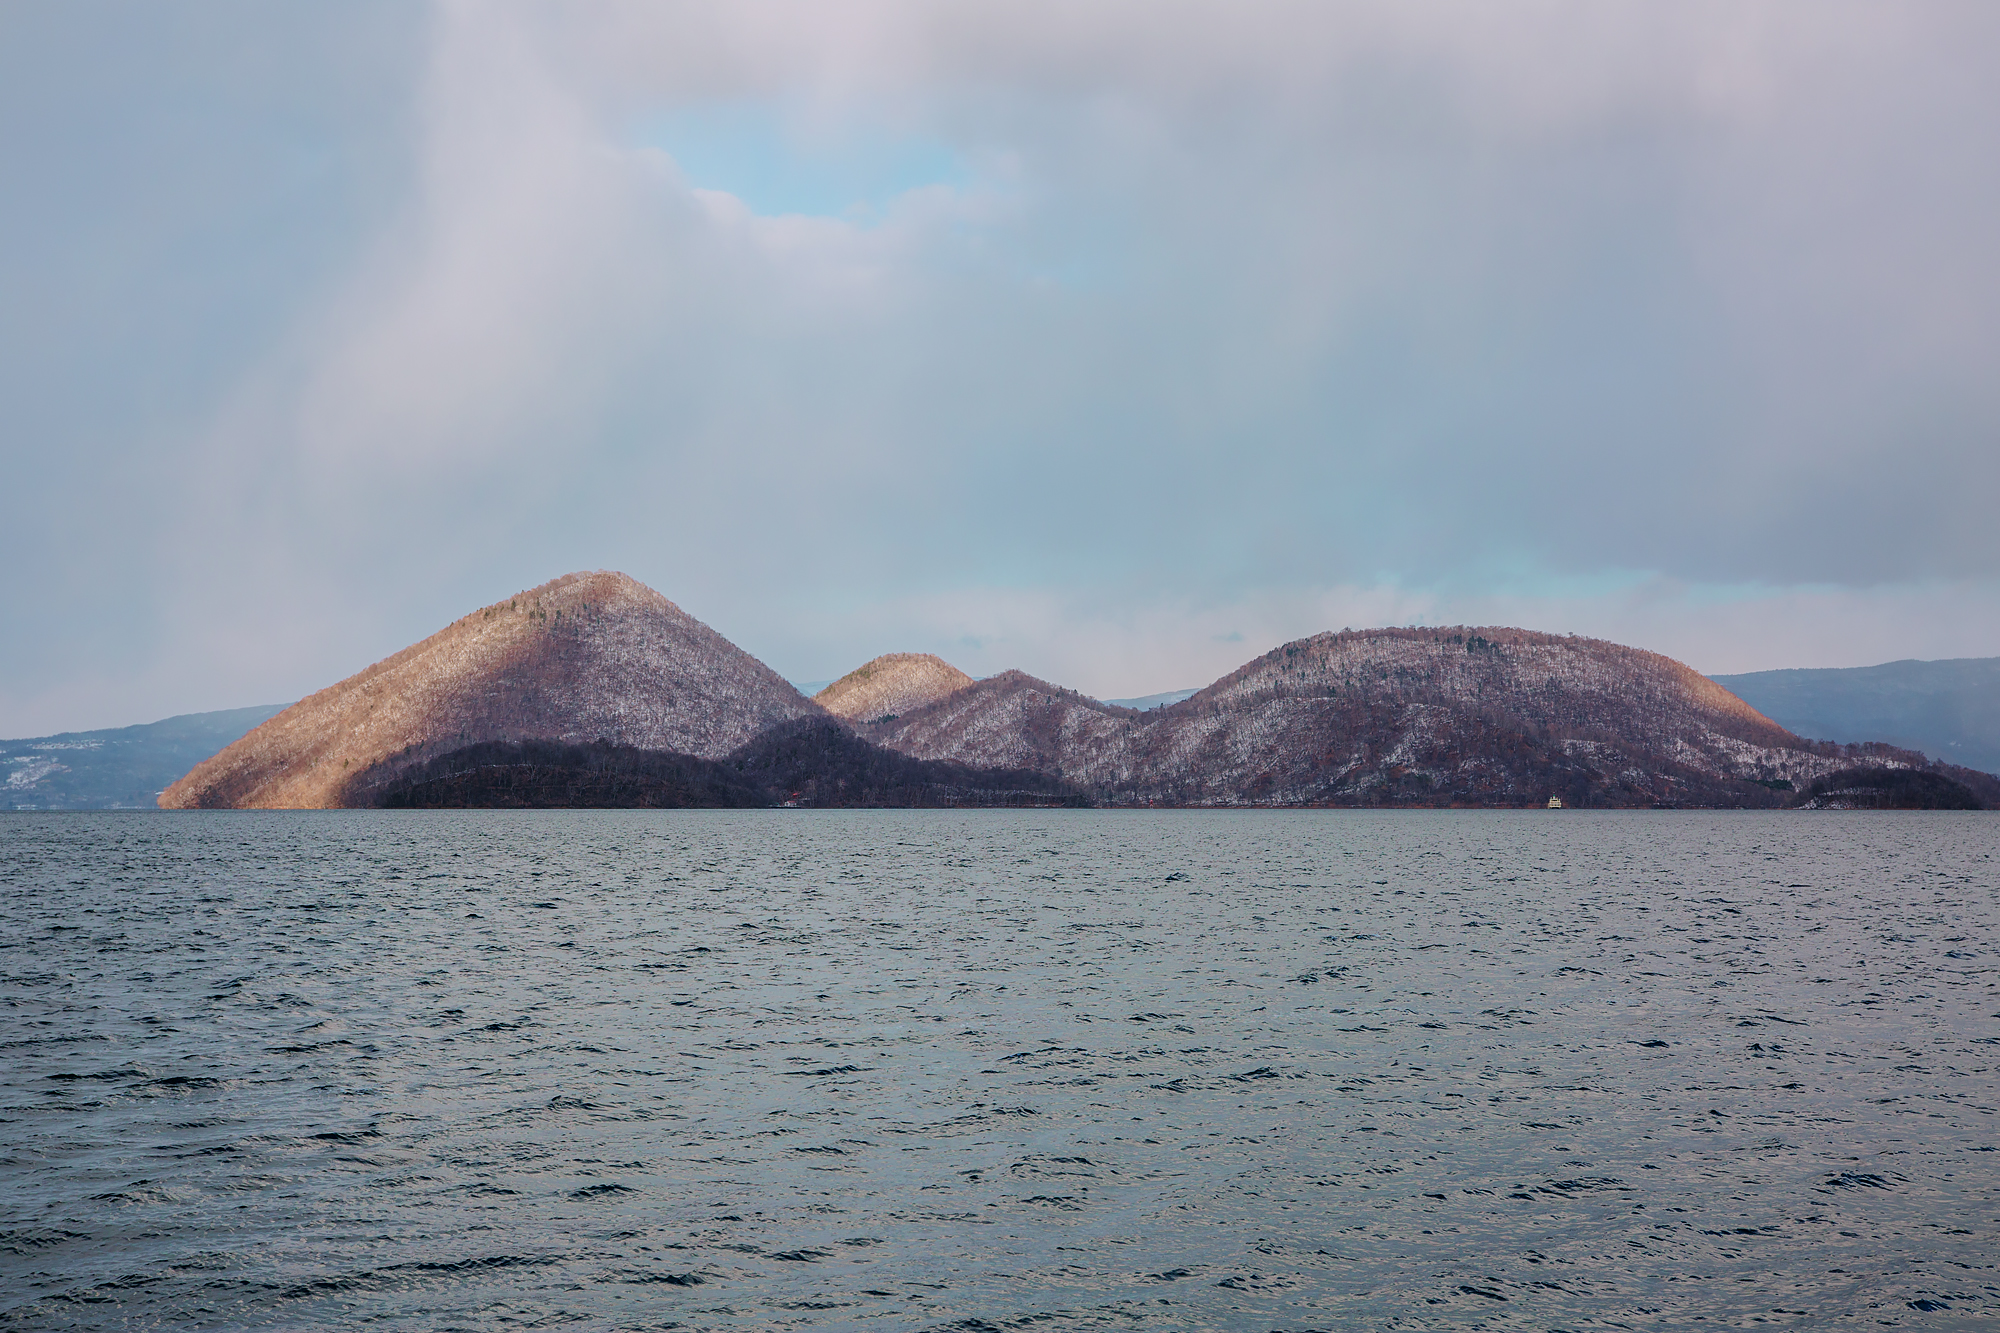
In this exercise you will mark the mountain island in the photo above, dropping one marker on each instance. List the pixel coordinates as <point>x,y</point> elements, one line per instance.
<point>594,690</point>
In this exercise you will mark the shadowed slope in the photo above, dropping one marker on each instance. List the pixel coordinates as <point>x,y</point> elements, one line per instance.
<point>584,658</point>
<point>1873,788</point>
<point>891,684</point>
<point>814,761</point>
<point>1014,720</point>
<point>549,775</point>
<point>822,762</point>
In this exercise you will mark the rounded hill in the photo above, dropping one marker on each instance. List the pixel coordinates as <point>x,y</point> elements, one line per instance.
<point>892,684</point>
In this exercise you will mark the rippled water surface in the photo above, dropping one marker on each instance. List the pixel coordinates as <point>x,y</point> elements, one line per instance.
<point>1050,1070</point>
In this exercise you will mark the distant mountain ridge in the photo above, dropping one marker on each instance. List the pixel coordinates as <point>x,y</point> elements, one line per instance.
<point>1147,702</point>
<point>116,768</point>
<point>1949,710</point>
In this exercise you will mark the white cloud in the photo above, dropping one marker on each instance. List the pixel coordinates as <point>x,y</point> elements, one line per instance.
<point>1236,321</point>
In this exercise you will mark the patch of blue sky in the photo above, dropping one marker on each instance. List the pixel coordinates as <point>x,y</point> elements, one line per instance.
<point>779,163</point>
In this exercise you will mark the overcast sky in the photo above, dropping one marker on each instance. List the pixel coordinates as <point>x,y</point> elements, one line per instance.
<point>1117,342</point>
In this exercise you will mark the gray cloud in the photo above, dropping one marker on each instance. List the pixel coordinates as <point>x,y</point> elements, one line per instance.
<point>1227,323</point>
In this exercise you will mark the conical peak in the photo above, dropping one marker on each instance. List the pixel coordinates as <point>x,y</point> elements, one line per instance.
<point>589,656</point>
<point>597,587</point>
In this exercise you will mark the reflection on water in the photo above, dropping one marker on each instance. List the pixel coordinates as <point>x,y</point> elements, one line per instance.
<point>1061,1069</point>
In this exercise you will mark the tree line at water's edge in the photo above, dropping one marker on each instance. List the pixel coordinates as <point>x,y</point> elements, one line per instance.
<point>1889,789</point>
<point>810,763</point>
<point>819,764</point>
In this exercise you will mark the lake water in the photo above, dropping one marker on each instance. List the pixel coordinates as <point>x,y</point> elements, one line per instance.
<point>999,1070</point>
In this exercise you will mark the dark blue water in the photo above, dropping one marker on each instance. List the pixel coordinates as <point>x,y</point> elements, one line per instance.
<point>1022,1070</point>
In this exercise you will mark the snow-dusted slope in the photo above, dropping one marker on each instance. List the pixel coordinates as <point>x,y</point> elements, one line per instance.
<point>587,657</point>
<point>1472,716</point>
<point>1013,720</point>
<point>891,684</point>
<point>1486,716</point>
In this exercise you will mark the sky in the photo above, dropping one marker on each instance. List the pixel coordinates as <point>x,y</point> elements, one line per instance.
<point>1117,342</point>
